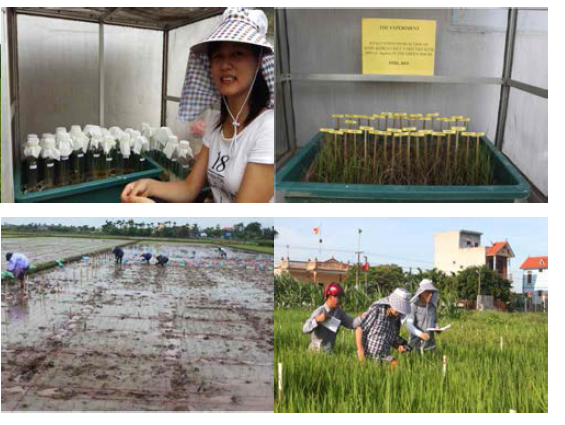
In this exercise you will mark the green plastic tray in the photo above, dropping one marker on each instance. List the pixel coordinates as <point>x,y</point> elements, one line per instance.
<point>291,188</point>
<point>99,191</point>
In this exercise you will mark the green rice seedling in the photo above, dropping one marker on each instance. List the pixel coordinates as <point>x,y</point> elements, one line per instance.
<point>401,156</point>
<point>433,117</point>
<point>480,376</point>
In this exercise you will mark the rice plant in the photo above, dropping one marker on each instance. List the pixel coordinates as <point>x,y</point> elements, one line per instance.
<point>496,362</point>
<point>403,155</point>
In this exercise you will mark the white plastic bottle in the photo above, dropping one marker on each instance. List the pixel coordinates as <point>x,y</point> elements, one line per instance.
<point>65,149</point>
<point>124,154</point>
<point>80,147</point>
<point>32,152</point>
<point>185,159</point>
<point>50,156</point>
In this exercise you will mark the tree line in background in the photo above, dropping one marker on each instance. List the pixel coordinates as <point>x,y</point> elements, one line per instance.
<point>169,229</point>
<point>383,279</point>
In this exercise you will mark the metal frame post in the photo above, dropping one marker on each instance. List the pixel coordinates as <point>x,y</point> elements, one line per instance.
<point>283,68</point>
<point>165,78</point>
<point>101,74</point>
<point>7,112</point>
<point>13,48</point>
<point>506,76</point>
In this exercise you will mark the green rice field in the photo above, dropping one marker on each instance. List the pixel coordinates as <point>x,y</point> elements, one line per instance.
<point>496,362</point>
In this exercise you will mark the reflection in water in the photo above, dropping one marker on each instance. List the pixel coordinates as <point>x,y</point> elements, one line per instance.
<point>118,270</point>
<point>19,310</point>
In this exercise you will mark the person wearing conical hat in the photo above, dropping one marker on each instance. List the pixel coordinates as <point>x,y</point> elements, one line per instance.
<point>233,68</point>
<point>423,316</point>
<point>379,331</point>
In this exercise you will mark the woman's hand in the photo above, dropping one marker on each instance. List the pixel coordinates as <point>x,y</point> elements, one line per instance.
<point>138,191</point>
<point>140,200</point>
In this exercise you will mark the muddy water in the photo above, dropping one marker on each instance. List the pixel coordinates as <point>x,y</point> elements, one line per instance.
<point>93,335</point>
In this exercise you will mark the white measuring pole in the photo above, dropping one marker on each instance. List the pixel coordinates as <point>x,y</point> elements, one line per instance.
<point>280,380</point>
<point>444,365</point>
<point>501,343</point>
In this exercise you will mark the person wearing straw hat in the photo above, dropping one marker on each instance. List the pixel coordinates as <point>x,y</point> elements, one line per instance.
<point>423,316</point>
<point>380,328</point>
<point>233,67</point>
<point>324,323</point>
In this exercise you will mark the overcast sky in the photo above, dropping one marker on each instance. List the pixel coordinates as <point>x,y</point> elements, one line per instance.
<point>98,221</point>
<point>408,242</point>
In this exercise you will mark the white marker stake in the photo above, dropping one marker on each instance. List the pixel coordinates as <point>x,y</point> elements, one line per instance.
<point>444,365</point>
<point>280,380</point>
<point>501,343</point>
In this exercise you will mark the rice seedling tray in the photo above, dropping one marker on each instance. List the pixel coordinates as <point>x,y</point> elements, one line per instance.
<point>509,184</point>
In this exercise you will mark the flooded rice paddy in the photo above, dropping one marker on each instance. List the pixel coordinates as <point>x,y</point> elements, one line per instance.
<point>41,250</point>
<point>93,335</point>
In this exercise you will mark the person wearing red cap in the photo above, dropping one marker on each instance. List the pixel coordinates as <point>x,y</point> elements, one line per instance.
<point>325,321</point>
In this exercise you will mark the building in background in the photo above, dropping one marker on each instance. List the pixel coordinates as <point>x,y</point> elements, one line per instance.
<point>317,271</point>
<point>460,249</point>
<point>535,280</point>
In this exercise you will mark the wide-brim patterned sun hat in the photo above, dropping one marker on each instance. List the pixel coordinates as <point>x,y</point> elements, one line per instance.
<point>399,300</point>
<point>239,25</point>
<point>426,285</point>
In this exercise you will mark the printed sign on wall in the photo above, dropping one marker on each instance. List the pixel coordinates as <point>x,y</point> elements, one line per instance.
<point>398,46</point>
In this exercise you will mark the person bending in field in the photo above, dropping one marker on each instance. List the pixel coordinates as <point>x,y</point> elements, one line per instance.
<point>379,330</point>
<point>162,260</point>
<point>423,316</point>
<point>223,253</point>
<point>119,255</point>
<point>146,257</point>
<point>322,337</point>
<point>18,265</point>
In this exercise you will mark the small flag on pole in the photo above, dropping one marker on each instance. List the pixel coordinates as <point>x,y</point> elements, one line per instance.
<point>316,230</point>
<point>366,266</point>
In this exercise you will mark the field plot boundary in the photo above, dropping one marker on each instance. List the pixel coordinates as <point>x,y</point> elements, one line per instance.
<point>235,245</point>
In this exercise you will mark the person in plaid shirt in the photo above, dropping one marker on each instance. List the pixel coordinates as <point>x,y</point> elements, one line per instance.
<point>380,328</point>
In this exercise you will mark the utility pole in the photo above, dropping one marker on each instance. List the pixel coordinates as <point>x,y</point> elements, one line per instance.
<point>358,258</point>
<point>288,252</point>
<point>366,260</point>
<point>479,288</point>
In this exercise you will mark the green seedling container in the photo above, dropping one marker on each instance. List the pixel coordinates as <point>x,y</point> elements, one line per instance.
<point>99,191</point>
<point>290,187</point>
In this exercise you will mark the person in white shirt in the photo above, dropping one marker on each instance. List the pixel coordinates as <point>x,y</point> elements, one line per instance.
<point>235,67</point>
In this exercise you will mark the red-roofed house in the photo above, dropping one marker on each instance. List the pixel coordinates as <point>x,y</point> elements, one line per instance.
<point>460,249</point>
<point>535,282</point>
<point>324,272</point>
